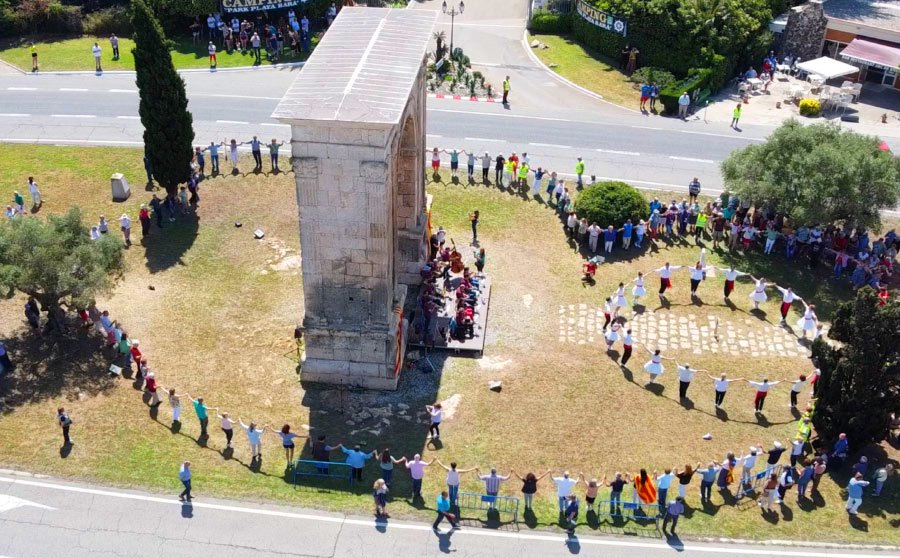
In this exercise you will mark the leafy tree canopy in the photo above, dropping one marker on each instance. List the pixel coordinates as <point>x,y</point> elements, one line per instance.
<point>55,261</point>
<point>611,203</point>
<point>168,126</point>
<point>817,174</point>
<point>860,382</point>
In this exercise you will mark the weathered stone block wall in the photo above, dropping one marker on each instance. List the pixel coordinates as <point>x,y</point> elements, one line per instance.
<point>804,32</point>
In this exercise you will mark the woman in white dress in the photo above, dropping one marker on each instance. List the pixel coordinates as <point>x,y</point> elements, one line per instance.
<point>612,335</point>
<point>638,290</point>
<point>619,300</point>
<point>654,366</point>
<point>759,292</point>
<point>809,321</point>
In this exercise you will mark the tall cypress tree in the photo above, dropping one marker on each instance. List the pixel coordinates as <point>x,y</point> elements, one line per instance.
<point>860,383</point>
<point>168,126</point>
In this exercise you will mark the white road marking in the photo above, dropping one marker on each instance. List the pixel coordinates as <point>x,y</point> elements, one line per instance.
<point>129,117</point>
<point>13,114</point>
<point>370,523</point>
<point>720,135</point>
<point>21,88</point>
<point>224,96</point>
<point>557,146</point>
<point>230,122</point>
<point>276,125</point>
<point>73,116</point>
<point>69,141</point>
<point>485,139</point>
<point>520,26</point>
<point>123,90</point>
<point>647,128</point>
<point>432,136</point>
<point>693,160</point>
<point>73,89</point>
<point>614,152</point>
<point>11,502</point>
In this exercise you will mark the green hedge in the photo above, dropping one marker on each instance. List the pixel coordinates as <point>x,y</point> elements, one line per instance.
<point>550,23</point>
<point>611,203</point>
<point>669,96</point>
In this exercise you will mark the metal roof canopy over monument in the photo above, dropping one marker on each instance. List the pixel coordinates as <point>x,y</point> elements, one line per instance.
<point>364,68</point>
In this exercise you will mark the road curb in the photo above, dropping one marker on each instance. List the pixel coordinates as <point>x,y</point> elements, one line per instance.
<point>573,85</point>
<point>12,67</point>
<point>183,71</point>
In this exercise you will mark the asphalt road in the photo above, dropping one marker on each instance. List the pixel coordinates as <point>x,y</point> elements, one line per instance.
<point>41,518</point>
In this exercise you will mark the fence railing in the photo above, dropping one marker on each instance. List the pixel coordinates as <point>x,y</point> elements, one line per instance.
<point>560,7</point>
<point>325,469</point>
<point>484,502</point>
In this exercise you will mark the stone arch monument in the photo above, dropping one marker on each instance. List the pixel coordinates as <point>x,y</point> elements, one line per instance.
<point>357,117</point>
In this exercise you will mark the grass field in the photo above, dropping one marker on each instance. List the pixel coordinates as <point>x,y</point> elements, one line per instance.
<point>587,69</point>
<point>75,54</point>
<point>219,319</point>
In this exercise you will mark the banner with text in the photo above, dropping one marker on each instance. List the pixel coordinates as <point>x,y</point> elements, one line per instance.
<point>245,6</point>
<point>602,19</point>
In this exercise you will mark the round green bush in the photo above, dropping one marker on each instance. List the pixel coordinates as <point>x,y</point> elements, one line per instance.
<point>611,203</point>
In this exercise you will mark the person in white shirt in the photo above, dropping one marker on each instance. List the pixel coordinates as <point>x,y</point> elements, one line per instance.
<point>759,292</point>
<point>612,335</point>
<point>593,237</point>
<point>787,299</point>
<point>436,412</point>
<point>809,321</point>
<point>36,200</point>
<point>722,387</point>
<point>654,366</point>
<point>730,275</point>
<point>797,445</point>
<point>665,278</point>
<point>762,390</point>
<point>98,53</point>
<point>212,55</point>
<point>685,375</point>
<point>619,300</point>
<point>564,487</point>
<point>125,225</point>
<point>698,274</point>
<point>485,167</point>
<point>747,463</point>
<point>638,290</point>
<point>254,436</point>
<point>796,388</point>
<point>452,479</point>
<point>95,232</point>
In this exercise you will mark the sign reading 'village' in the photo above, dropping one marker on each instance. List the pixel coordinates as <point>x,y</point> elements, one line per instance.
<point>243,6</point>
<point>602,19</point>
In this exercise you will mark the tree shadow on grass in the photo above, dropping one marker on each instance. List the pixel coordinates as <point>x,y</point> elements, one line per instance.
<point>165,247</point>
<point>52,366</point>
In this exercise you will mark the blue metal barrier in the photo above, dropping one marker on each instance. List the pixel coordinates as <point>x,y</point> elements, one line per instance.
<point>327,469</point>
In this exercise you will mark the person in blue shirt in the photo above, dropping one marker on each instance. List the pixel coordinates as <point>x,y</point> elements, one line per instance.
<point>645,96</point>
<point>443,512</point>
<point>571,514</point>
<point>707,478</point>
<point>627,230</point>
<point>609,237</point>
<point>655,204</point>
<point>214,155</point>
<point>357,460</point>
<point>804,479</point>
<point>654,95</point>
<point>839,450</point>
<point>184,475</point>
<point>855,493</point>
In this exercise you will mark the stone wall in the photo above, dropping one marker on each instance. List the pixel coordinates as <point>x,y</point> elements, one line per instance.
<point>804,32</point>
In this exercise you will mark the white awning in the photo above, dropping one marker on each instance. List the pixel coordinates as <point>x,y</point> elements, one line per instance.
<point>827,67</point>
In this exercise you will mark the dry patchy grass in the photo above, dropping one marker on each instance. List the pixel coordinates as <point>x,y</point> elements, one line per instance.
<point>219,321</point>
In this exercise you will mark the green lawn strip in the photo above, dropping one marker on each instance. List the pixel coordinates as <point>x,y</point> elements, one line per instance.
<point>586,68</point>
<point>217,326</point>
<point>75,54</point>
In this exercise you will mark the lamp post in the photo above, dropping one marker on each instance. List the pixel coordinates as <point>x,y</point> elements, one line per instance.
<point>453,13</point>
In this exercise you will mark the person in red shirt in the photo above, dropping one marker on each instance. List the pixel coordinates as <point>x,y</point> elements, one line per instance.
<point>144,217</point>
<point>882,295</point>
<point>152,389</point>
<point>136,354</point>
<point>514,159</point>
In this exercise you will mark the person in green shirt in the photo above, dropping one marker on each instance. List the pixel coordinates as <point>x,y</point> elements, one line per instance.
<point>19,201</point>
<point>579,170</point>
<point>735,116</point>
<point>771,236</point>
<point>523,175</point>
<point>202,415</point>
<point>273,154</point>
<point>34,58</point>
<point>700,226</point>
<point>124,349</point>
<point>506,91</point>
<point>509,171</point>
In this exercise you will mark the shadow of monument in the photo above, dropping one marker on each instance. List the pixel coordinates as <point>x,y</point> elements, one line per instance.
<point>376,420</point>
<point>52,366</point>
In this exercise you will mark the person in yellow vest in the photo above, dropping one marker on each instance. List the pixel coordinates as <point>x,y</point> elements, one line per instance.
<point>34,62</point>
<point>735,116</point>
<point>509,172</point>
<point>506,91</point>
<point>579,170</point>
<point>523,175</point>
